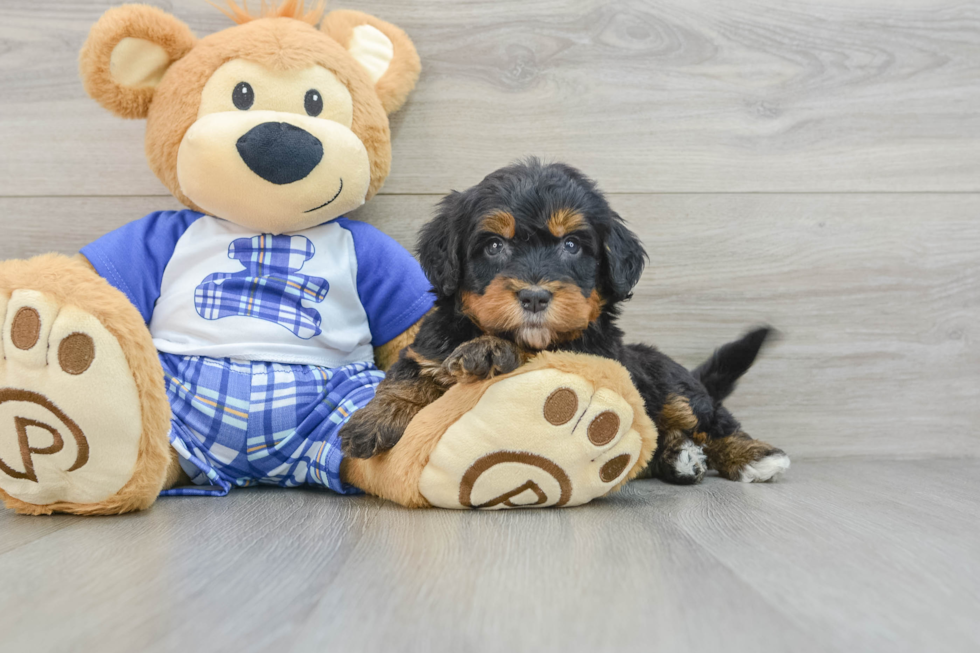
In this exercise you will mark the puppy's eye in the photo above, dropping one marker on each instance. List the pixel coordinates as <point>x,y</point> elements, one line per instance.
<point>243,96</point>
<point>572,245</point>
<point>494,247</point>
<point>314,102</point>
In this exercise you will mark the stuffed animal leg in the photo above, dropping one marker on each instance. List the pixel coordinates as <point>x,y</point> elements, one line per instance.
<point>560,431</point>
<point>84,415</point>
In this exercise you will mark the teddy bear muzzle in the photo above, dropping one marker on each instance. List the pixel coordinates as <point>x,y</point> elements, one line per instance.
<point>272,171</point>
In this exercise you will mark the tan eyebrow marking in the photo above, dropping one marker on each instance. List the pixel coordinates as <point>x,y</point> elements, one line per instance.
<point>565,221</point>
<point>499,222</point>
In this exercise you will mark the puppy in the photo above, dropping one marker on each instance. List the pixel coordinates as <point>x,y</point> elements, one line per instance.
<point>533,258</point>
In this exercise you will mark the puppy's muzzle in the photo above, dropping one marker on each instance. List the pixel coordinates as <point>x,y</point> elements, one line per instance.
<point>534,299</point>
<point>279,152</point>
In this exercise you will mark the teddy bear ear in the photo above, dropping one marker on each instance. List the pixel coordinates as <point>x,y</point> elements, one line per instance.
<point>384,50</point>
<point>126,54</point>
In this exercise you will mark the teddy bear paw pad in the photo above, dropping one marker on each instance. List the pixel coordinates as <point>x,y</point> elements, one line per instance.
<point>69,407</point>
<point>541,439</point>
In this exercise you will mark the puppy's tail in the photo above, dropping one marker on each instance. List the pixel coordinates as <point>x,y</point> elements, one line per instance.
<point>719,373</point>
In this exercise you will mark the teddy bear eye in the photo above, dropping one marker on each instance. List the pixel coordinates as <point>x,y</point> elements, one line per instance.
<point>314,102</point>
<point>243,96</point>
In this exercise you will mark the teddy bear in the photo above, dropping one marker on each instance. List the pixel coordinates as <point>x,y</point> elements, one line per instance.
<point>224,345</point>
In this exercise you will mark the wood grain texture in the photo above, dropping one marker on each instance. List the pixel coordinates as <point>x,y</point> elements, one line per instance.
<point>877,298</point>
<point>242,570</point>
<point>760,95</point>
<point>20,532</point>
<point>854,555</point>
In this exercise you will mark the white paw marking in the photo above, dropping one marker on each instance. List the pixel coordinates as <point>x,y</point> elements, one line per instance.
<point>765,469</point>
<point>690,460</point>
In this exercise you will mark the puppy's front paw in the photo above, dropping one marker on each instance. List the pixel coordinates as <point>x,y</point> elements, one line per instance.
<point>365,435</point>
<point>483,358</point>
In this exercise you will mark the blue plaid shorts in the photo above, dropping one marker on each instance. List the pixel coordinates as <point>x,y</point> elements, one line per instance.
<point>245,423</point>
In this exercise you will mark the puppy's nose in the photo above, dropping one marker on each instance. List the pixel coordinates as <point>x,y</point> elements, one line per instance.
<point>279,152</point>
<point>534,299</point>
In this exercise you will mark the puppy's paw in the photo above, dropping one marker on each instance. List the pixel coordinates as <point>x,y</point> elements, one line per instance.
<point>767,468</point>
<point>740,458</point>
<point>367,434</point>
<point>682,464</point>
<point>483,358</point>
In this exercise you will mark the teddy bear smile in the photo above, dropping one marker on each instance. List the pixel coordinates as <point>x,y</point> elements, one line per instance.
<point>335,196</point>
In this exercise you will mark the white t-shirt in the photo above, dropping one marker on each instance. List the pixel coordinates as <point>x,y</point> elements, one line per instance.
<point>207,287</point>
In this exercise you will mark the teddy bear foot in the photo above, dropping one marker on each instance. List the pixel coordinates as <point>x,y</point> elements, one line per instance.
<point>71,409</point>
<point>560,431</point>
<point>542,439</point>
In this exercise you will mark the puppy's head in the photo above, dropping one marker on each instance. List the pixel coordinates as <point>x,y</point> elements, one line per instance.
<point>533,253</point>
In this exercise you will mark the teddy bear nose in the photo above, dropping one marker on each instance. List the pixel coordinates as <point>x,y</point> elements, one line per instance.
<point>279,152</point>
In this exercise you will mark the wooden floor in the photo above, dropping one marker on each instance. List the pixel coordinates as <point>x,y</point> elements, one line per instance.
<point>812,164</point>
<point>846,555</point>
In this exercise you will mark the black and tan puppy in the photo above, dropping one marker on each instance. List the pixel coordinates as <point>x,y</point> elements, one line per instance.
<point>533,258</point>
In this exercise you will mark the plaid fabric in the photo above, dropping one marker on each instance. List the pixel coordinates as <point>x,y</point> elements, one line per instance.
<point>242,423</point>
<point>269,288</point>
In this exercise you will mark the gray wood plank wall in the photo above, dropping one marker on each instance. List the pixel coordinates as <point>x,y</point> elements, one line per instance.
<point>809,164</point>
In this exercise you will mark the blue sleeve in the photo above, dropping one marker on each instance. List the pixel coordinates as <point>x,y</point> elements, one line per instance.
<point>133,257</point>
<point>390,282</point>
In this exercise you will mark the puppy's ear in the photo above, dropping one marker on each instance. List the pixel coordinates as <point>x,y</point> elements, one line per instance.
<point>624,259</point>
<point>383,50</point>
<point>126,54</point>
<point>439,244</point>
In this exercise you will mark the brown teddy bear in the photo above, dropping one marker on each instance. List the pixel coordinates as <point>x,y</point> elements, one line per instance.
<point>225,345</point>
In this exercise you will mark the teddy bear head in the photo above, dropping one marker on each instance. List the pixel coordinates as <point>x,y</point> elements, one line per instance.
<point>273,124</point>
